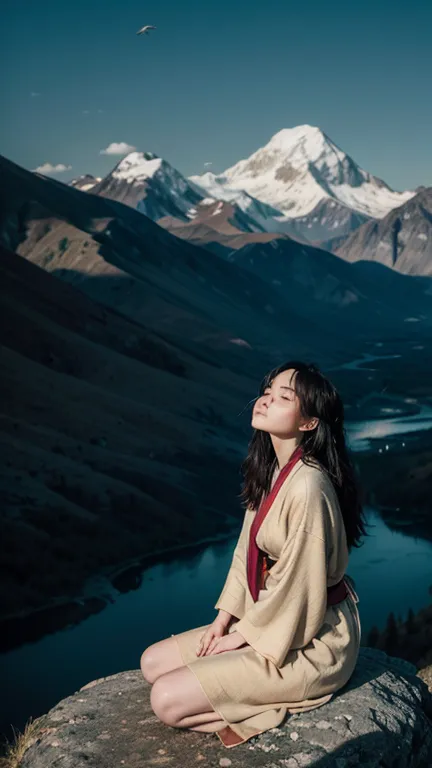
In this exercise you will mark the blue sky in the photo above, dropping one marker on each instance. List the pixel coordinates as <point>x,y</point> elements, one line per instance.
<point>214,82</point>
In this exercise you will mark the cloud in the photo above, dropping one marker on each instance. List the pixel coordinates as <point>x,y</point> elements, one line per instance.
<point>117,148</point>
<point>86,111</point>
<point>50,168</point>
<point>208,163</point>
<point>34,93</point>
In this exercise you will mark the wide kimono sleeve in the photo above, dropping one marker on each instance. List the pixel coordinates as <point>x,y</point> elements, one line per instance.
<point>233,595</point>
<point>292,612</point>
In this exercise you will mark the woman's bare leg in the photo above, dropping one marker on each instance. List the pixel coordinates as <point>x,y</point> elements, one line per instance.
<point>163,657</point>
<point>178,699</point>
<point>210,727</point>
<point>160,658</point>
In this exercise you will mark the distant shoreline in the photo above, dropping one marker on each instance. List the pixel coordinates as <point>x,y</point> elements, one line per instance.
<point>97,592</point>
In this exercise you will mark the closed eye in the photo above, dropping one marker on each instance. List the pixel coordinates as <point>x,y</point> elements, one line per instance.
<point>284,397</point>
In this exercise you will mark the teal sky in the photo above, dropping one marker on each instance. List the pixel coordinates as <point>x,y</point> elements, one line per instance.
<point>215,81</point>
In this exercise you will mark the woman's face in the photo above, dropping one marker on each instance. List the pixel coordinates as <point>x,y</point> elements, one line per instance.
<point>277,411</point>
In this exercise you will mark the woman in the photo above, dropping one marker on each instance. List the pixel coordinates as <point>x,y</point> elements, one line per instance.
<point>287,634</point>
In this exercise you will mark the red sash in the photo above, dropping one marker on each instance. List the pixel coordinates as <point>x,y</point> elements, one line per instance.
<point>255,558</point>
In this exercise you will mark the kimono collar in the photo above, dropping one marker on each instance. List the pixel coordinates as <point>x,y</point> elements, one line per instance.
<point>255,554</point>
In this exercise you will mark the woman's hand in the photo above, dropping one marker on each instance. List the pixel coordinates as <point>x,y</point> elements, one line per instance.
<point>215,641</point>
<point>212,634</point>
<point>227,643</point>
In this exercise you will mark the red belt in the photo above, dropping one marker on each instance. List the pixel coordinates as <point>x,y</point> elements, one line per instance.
<point>335,594</point>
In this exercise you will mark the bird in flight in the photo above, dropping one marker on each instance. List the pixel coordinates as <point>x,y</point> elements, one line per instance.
<point>145,30</point>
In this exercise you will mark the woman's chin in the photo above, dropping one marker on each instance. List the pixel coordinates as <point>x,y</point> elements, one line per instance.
<point>259,422</point>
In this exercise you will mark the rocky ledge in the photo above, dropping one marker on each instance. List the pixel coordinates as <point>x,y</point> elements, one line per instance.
<point>382,717</point>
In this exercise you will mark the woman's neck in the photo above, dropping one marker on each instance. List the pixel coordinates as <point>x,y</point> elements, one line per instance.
<point>284,449</point>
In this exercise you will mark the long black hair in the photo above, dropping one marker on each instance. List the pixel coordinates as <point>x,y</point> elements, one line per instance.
<point>325,444</point>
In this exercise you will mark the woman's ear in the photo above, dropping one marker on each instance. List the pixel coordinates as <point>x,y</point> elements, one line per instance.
<point>310,424</point>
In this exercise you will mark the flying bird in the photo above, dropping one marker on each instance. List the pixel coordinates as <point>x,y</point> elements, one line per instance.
<point>145,30</point>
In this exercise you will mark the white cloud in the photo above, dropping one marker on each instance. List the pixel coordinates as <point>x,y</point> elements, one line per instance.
<point>50,168</point>
<point>208,163</point>
<point>34,93</point>
<point>117,148</point>
<point>86,111</point>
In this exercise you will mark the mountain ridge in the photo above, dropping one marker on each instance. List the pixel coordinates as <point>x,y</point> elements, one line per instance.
<point>301,166</point>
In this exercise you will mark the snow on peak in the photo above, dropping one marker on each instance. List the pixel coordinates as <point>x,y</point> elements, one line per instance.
<point>306,134</point>
<point>137,166</point>
<point>288,154</point>
<point>298,169</point>
<point>85,182</point>
<point>151,185</point>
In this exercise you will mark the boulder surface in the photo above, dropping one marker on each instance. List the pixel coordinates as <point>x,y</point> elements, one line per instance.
<point>382,717</point>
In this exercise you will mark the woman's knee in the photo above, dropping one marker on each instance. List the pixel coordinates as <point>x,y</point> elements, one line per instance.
<point>160,658</point>
<point>149,663</point>
<point>163,701</point>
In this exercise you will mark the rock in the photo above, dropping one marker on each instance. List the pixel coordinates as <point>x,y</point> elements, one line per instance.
<point>383,716</point>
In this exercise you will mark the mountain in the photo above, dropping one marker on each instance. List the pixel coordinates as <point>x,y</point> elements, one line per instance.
<point>401,240</point>
<point>85,183</point>
<point>299,168</point>
<point>303,174</point>
<point>300,184</point>
<point>319,287</point>
<point>143,181</point>
<point>197,300</point>
<point>215,216</point>
<point>151,185</point>
<point>122,258</point>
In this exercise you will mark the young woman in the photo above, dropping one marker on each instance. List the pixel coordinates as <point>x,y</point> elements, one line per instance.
<point>287,634</point>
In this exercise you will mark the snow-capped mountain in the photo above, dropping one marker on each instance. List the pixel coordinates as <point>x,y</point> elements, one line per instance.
<point>85,183</point>
<point>300,184</point>
<point>299,169</point>
<point>152,186</point>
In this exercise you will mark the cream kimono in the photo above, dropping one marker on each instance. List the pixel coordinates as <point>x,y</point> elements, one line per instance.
<point>299,651</point>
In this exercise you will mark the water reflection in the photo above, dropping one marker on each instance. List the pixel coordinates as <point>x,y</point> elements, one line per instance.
<point>360,433</point>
